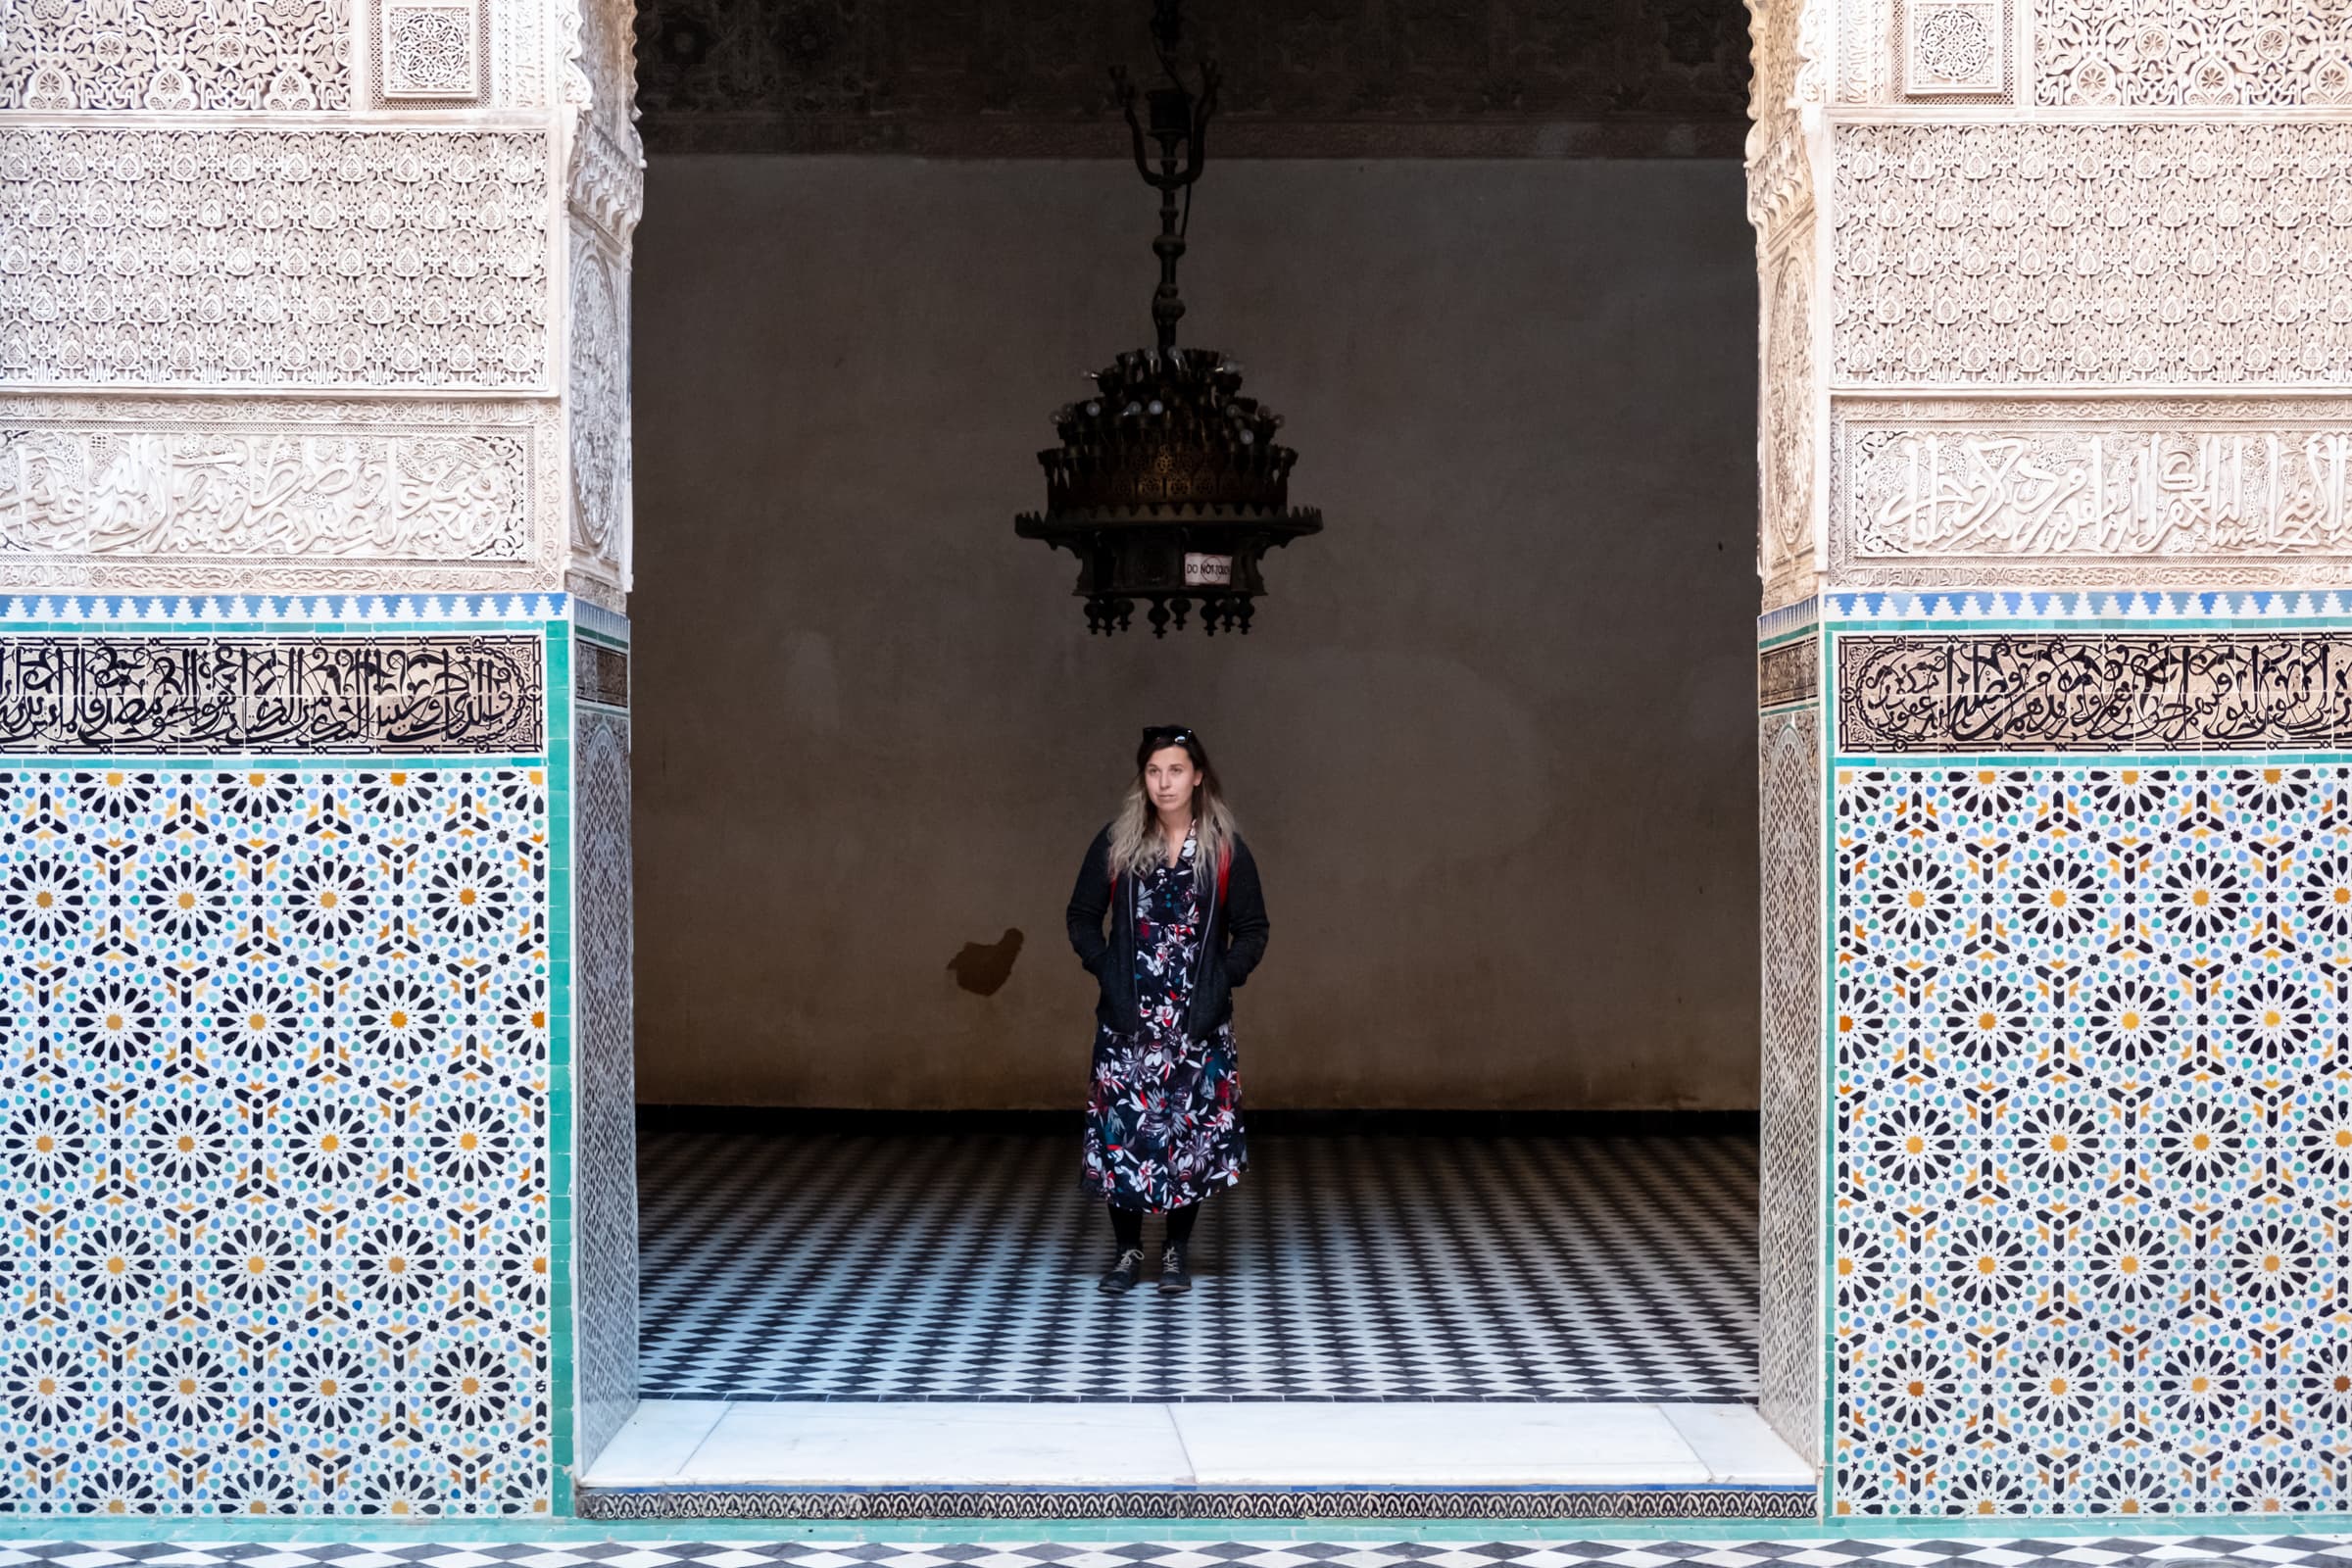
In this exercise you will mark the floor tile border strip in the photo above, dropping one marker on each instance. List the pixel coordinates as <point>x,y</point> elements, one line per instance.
<point>671,1395</point>
<point>845,1503</point>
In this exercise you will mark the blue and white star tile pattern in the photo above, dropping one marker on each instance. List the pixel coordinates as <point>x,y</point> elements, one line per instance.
<point>275,1103</point>
<point>2093,1136</point>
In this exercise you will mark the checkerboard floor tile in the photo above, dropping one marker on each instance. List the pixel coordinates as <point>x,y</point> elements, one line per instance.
<point>961,1266</point>
<point>2164,1552</point>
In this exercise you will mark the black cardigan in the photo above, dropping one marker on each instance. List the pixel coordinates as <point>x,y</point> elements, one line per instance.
<point>1235,939</point>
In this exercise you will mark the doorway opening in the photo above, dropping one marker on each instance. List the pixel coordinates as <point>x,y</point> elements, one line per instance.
<point>1492,739</point>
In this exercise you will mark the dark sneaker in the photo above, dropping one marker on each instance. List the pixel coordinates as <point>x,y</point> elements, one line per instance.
<point>1123,1274</point>
<point>1174,1280</point>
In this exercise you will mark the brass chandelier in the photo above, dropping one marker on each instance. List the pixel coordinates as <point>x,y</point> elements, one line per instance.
<point>1168,486</point>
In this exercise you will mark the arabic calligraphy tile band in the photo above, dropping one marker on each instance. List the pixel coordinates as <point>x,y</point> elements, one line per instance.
<point>1790,674</point>
<point>2073,692</point>
<point>101,694</point>
<point>600,673</point>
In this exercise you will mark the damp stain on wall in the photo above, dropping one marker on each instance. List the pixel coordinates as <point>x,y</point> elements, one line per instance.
<point>983,967</point>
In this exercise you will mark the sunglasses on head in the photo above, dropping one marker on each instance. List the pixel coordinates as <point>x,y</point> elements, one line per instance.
<point>1167,735</point>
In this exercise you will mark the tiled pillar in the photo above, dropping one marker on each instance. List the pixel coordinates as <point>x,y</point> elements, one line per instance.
<point>315,1042</point>
<point>2054,678</point>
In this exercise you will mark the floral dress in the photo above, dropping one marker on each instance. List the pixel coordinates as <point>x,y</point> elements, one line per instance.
<point>1164,1124</point>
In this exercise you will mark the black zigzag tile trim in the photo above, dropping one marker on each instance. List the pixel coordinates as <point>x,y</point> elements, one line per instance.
<point>1184,1503</point>
<point>1637,1549</point>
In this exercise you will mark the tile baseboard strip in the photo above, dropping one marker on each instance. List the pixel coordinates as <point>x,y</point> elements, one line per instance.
<point>842,1503</point>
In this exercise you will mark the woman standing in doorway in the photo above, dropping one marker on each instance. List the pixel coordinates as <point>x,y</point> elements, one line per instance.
<point>1188,923</point>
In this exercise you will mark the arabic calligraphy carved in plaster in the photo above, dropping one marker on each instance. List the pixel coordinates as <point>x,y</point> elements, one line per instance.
<point>2214,490</point>
<point>210,493</point>
<point>2070,492</point>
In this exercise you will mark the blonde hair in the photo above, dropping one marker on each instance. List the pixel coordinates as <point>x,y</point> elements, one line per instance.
<point>1137,843</point>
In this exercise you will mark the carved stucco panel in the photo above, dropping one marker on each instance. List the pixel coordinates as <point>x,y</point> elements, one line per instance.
<point>1779,177</point>
<point>430,53</point>
<point>188,56</point>
<point>2094,255</point>
<point>257,257</point>
<point>600,65</point>
<point>597,408</point>
<point>1782,145</point>
<point>606,184</point>
<point>1789,52</point>
<point>1957,50</point>
<point>604,180</point>
<point>2218,491</point>
<point>1787,444</point>
<point>218,494</point>
<point>2217,54</point>
<point>2214,55</point>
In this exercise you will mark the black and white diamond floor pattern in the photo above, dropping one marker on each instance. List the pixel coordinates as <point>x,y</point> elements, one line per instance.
<point>961,1266</point>
<point>2173,1551</point>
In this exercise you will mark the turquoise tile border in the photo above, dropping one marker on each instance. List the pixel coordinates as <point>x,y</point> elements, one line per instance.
<point>562,1387</point>
<point>1775,623</point>
<point>159,611</point>
<point>610,625</point>
<point>2071,607</point>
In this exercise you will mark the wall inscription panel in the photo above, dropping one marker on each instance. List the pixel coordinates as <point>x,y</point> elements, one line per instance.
<point>2027,691</point>
<point>198,493</point>
<point>269,258</point>
<point>2199,489</point>
<point>109,695</point>
<point>422,495</point>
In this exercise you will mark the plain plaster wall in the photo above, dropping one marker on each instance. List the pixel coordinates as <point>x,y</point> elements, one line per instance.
<point>1492,740</point>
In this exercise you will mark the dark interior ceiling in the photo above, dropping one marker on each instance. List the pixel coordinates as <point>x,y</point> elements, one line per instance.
<point>1302,78</point>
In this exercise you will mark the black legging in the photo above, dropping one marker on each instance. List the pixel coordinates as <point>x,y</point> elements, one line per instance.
<point>1127,1224</point>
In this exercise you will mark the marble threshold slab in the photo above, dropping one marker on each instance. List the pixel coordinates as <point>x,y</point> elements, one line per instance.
<point>700,1444</point>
